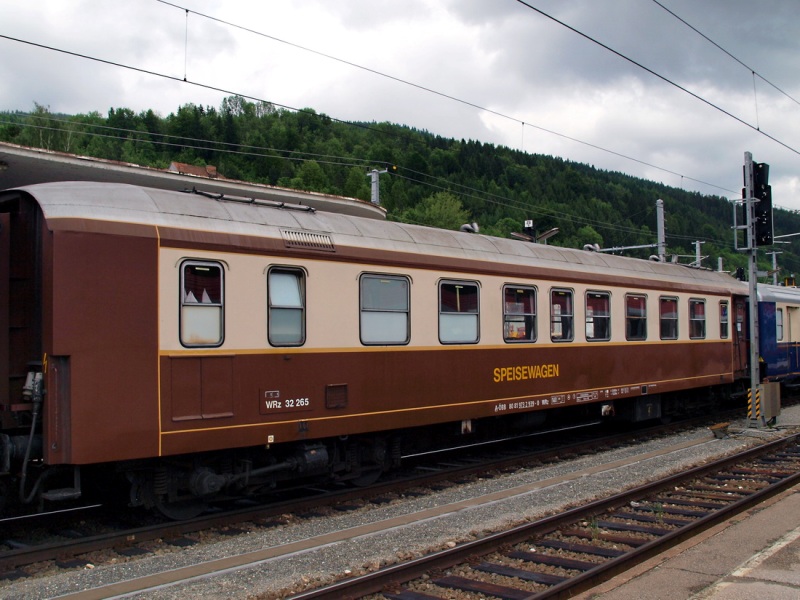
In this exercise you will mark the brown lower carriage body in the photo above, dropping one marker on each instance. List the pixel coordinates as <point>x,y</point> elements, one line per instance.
<point>232,401</point>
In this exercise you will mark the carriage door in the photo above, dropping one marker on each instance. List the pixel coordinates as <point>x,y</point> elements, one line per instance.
<point>791,329</point>
<point>741,337</point>
<point>20,300</point>
<point>5,349</point>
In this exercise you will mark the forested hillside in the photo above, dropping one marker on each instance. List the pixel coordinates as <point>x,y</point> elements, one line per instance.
<point>431,180</point>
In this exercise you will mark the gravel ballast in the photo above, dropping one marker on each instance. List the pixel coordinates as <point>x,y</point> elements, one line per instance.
<point>439,519</point>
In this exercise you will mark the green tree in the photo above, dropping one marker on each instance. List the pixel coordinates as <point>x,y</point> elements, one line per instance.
<point>43,129</point>
<point>442,210</point>
<point>588,235</point>
<point>357,184</point>
<point>310,176</point>
<point>499,187</point>
<point>503,228</point>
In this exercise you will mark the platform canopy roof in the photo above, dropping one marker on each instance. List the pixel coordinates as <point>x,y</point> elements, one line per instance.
<point>21,166</point>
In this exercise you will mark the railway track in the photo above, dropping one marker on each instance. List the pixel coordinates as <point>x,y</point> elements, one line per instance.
<point>69,538</point>
<point>560,556</point>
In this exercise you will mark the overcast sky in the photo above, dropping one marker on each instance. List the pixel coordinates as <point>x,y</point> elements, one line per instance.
<point>488,66</point>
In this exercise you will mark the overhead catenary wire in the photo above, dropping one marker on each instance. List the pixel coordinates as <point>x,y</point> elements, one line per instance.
<point>416,177</point>
<point>708,39</point>
<point>523,124</point>
<point>229,148</point>
<point>206,86</point>
<point>253,98</point>
<point>530,210</point>
<point>658,75</point>
<point>210,145</point>
<point>198,84</point>
<point>446,96</point>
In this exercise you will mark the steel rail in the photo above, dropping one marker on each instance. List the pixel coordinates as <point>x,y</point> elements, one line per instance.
<point>25,555</point>
<point>395,575</point>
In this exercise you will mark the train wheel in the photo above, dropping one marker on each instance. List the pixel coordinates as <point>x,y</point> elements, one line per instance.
<point>181,510</point>
<point>4,495</point>
<point>367,477</point>
<point>371,462</point>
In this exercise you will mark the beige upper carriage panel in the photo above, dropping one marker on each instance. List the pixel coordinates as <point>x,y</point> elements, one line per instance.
<point>245,239</point>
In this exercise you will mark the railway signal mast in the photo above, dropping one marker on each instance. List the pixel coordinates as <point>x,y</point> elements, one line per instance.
<point>757,201</point>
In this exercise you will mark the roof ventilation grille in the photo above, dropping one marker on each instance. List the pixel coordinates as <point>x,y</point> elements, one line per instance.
<point>308,240</point>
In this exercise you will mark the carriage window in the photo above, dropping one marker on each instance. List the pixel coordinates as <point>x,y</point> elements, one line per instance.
<point>598,316</point>
<point>384,310</point>
<point>202,314</point>
<point>668,312</point>
<point>519,314</point>
<point>779,324</point>
<point>458,312</point>
<point>561,315</point>
<point>697,319</point>
<point>723,320</point>
<point>286,296</point>
<point>740,318</point>
<point>635,317</point>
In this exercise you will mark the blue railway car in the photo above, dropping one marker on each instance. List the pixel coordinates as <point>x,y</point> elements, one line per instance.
<point>779,333</point>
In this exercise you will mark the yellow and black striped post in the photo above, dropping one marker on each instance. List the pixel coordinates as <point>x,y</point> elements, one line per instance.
<point>751,415</point>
